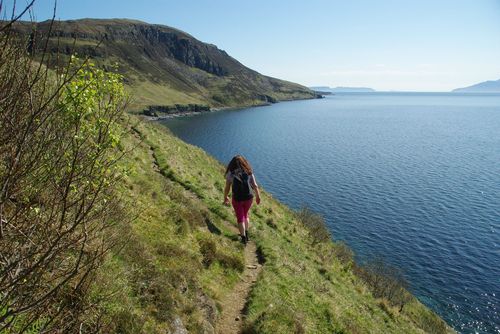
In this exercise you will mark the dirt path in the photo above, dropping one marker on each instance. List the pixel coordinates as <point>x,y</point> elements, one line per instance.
<point>231,318</point>
<point>154,163</point>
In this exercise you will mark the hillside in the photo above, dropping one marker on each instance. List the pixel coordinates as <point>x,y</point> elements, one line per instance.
<point>165,66</point>
<point>482,87</point>
<point>183,267</point>
<point>146,245</point>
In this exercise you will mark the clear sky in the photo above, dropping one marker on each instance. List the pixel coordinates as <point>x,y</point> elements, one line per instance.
<point>419,45</point>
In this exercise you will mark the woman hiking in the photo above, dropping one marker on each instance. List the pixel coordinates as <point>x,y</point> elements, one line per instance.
<point>239,174</point>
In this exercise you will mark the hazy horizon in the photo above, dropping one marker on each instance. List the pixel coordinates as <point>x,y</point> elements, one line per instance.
<point>404,91</point>
<point>387,45</point>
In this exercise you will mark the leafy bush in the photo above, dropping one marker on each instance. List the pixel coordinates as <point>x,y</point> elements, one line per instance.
<point>59,132</point>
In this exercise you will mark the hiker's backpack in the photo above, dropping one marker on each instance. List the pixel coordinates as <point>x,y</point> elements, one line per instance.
<point>242,191</point>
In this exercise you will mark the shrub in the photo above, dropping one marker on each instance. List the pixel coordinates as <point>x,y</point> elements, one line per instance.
<point>127,322</point>
<point>230,262</point>
<point>430,322</point>
<point>385,281</point>
<point>59,132</point>
<point>343,253</point>
<point>277,319</point>
<point>315,225</point>
<point>208,250</point>
<point>270,222</point>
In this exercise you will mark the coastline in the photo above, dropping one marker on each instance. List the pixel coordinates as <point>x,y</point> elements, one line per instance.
<point>192,113</point>
<point>224,108</point>
<point>186,122</point>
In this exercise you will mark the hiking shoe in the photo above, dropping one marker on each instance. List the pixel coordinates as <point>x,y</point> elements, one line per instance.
<point>246,236</point>
<point>243,239</point>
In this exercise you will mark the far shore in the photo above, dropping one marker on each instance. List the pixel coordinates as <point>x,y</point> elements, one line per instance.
<point>214,109</point>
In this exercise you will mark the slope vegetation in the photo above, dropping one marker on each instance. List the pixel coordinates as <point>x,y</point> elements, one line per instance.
<point>179,266</point>
<point>166,66</point>
<point>183,269</point>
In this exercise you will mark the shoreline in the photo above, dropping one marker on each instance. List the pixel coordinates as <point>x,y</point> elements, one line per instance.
<point>227,108</point>
<point>190,113</point>
<point>332,100</point>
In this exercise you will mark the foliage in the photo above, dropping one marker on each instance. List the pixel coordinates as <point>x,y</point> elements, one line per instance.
<point>302,286</point>
<point>208,249</point>
<point>59,134</point>
<point>178,259</point>
<point>343,253</point>
<point>182,229</point>
<point>315,224</point>
<point>385,281</point>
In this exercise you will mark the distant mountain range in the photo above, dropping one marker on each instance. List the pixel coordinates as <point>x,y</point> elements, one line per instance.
<point>164,66</point>
<point>342,89</point>
<point>482,87</point>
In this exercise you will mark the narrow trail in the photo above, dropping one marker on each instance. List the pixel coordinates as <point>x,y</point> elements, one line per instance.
<point>231,318</point>
<point>154,163</point>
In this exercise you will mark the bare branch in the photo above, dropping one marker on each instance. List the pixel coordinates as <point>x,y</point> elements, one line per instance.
<point>15,18</point>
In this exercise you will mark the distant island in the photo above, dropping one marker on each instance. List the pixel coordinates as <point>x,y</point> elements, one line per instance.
<point>490,86</point>
<point>342,89</point>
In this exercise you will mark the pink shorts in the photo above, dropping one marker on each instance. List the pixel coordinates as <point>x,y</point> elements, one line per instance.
<point>241,209</point>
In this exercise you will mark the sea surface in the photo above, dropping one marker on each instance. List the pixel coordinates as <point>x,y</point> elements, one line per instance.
<point>414,177</point>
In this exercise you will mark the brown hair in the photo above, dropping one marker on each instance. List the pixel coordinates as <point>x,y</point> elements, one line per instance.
<point>239,162</point>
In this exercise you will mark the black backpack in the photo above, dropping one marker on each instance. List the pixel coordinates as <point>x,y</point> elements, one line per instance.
<point>241,187</point>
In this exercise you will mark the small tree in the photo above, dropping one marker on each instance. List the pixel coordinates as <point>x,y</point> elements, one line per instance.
<point>59,131</point>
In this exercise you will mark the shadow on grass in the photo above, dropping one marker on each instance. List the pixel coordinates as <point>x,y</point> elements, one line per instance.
<point>211,227</point>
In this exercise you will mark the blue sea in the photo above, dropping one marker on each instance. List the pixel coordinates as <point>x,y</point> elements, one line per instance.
<point>414,177</point>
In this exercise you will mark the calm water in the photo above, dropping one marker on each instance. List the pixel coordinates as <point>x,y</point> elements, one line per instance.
<point>415,177</point>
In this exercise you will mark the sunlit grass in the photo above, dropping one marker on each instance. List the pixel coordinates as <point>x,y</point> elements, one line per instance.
<point>180,247</point>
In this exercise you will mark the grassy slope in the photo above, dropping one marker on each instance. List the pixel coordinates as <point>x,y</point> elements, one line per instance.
<point>165,66</point>
<point>180,259</point>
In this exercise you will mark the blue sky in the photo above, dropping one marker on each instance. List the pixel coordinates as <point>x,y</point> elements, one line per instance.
<point>420,45</point>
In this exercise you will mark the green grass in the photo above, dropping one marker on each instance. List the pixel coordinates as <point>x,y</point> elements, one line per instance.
<point>149,93</point>
<point>159,273</point>
<point>180,259</point>
<point>177,258</point>
<point>149,57</point>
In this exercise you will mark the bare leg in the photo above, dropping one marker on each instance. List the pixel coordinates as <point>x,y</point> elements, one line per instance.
<point>246,220</point>
<point>247,237</point>
<point>241,227</point>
